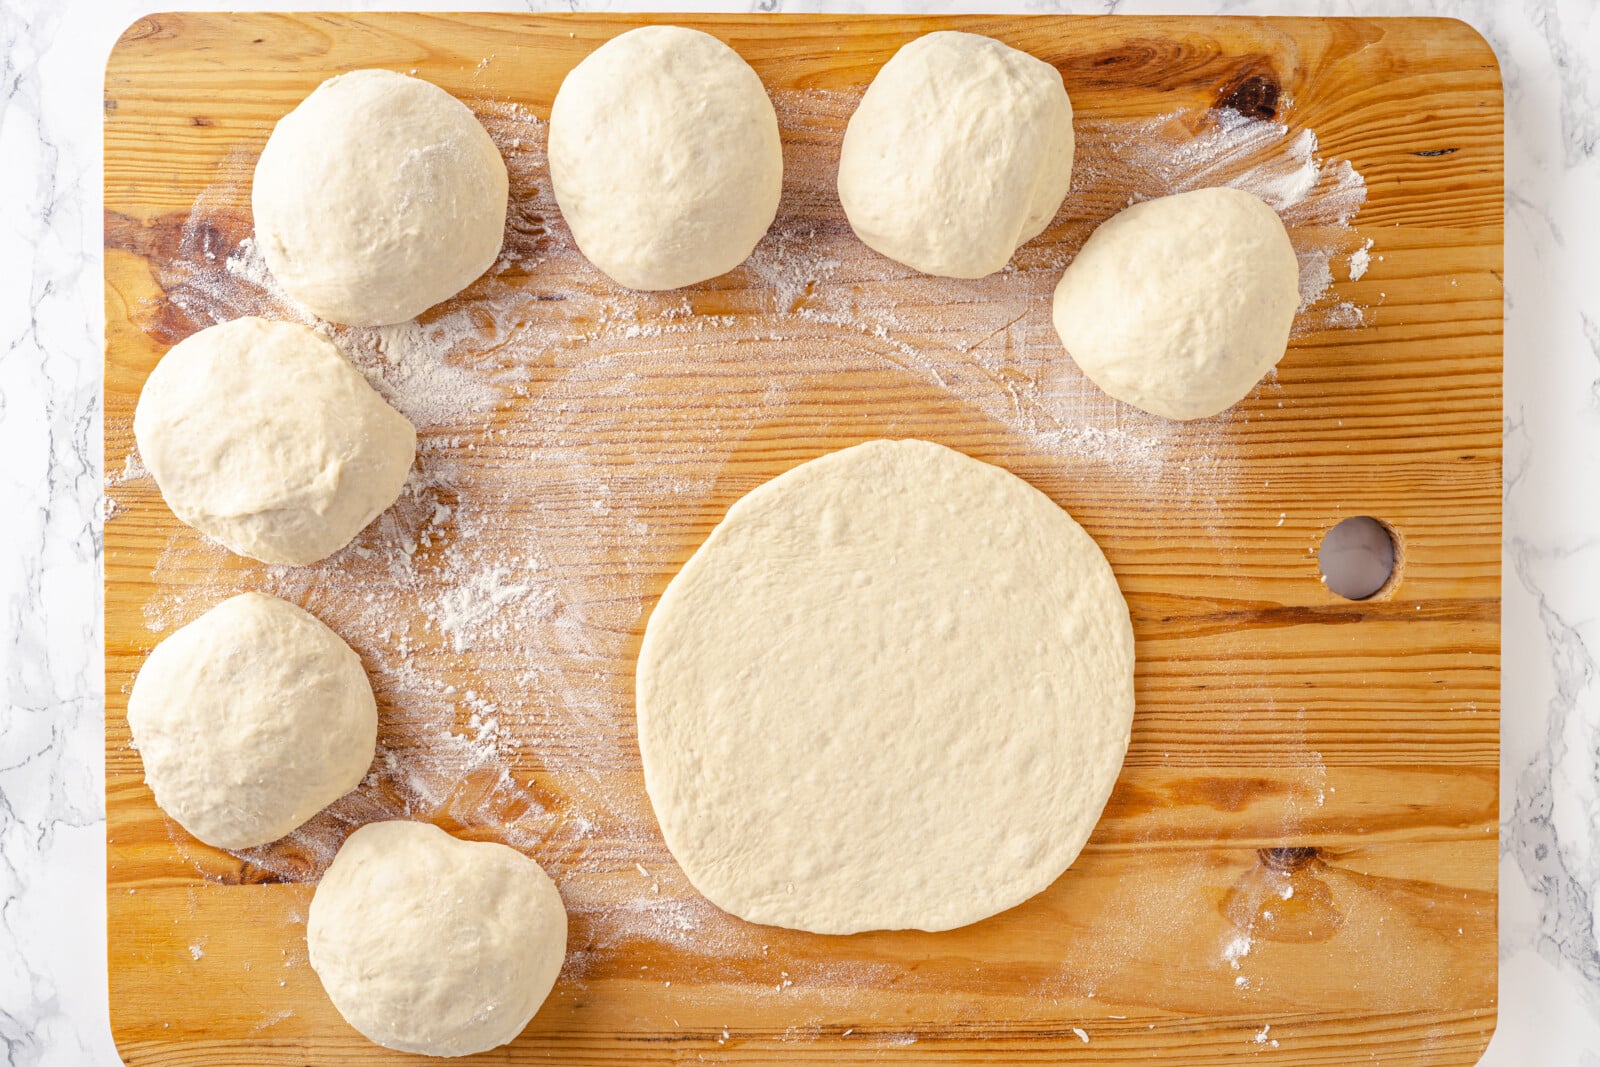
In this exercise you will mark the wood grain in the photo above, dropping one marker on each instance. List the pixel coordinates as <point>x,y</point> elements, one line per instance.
<point>1285,738</point>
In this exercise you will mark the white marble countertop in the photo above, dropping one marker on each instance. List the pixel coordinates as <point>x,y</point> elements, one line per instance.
<point>52,927</point>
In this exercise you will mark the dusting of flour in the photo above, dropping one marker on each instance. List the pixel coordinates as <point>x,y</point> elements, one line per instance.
<point>575,438</point>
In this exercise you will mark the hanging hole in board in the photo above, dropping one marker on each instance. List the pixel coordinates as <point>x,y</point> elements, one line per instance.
<point>1358,557</point>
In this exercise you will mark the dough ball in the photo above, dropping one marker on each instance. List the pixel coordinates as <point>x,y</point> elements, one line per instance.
<point>262,435</point>
<point>892,690</point>
<point>377,197</point>
<point>250,720</point>
<point>433,945</point>
<point>664,157</point>
<point>960,152</point>
<point>1179,305</point>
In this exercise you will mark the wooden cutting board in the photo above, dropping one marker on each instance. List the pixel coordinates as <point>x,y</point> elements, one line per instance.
<point>1299,863</point>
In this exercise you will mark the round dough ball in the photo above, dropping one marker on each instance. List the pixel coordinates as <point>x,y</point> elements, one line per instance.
<point>1179,305</point>
<point>262,435</point>
<point>433,945</point>
<point>892,690</point>
<point>959,153</point>
<point>377,197</point>
<point>664,157</point>
<point>250,720</point>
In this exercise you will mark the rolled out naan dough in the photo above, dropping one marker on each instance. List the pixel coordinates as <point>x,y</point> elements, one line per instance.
<point>426,943</point>
<point>892,690</point>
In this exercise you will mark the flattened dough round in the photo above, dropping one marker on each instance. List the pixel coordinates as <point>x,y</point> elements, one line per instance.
<point>430,944</point>
<point>262,435</point>
<point>892,690</point>
<point>250,720</point>
<point>1179,305</point>
<point>959,152</point>
<point>665,157</point>
<point>377,197</point>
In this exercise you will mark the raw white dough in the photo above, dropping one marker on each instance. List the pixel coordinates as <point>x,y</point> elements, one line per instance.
<point>430,944</point>
<point>892,690</point>
<point>250,720</point>
<point>1179,305</point>
<point>664,157</point>
<point>263,436</point>
<point>959,153</point>
<point>377,197</point>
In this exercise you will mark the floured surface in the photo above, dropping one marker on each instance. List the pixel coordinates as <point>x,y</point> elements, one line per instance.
<point>460,375</point>
<point>577,440</point>
<point>433,576</point>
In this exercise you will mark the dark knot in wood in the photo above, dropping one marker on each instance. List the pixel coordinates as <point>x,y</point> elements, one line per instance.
<point>1287,858</point>
<point>1255,96</point>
